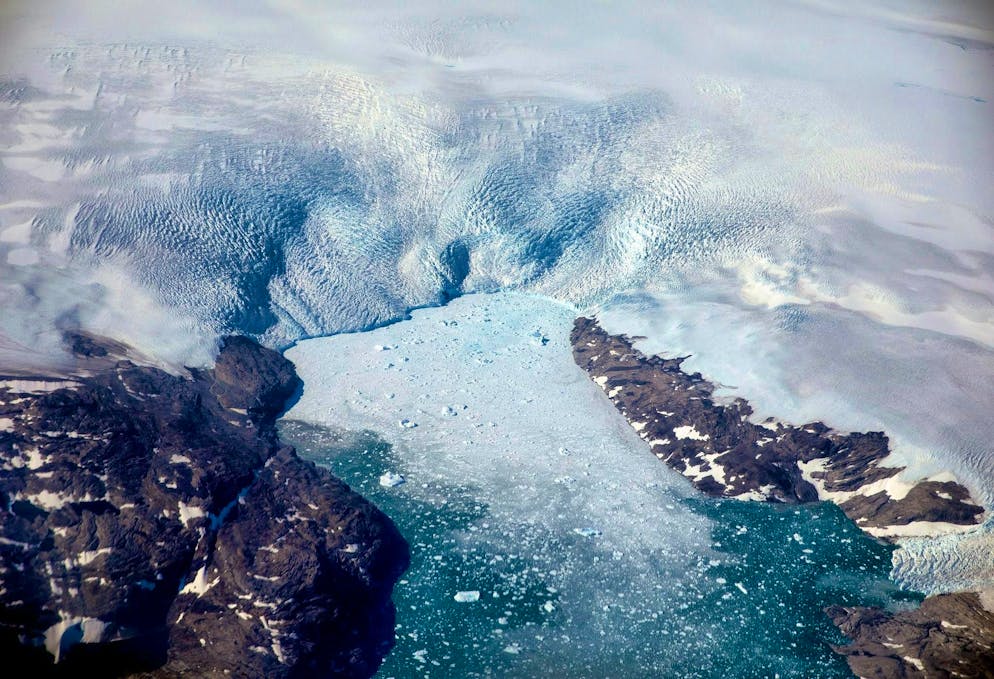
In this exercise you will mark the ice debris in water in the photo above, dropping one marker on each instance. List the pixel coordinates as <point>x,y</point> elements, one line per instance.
<point>518,498</point>
<point>467,597</point>
<point>391,479</point>
<point>587,532</point>
<point>539,338</point>
<point>408,424</point>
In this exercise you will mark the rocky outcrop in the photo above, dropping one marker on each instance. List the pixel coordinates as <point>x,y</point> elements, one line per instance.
<point>723,453</point>
<point>949,635</point>
<point>153,524</point>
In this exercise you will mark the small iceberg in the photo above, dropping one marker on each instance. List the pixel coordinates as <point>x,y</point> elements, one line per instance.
<point>391,479</point>
<point>538,338</point>
<point>587,532</point>
<point>408,424</point>
<point>467,597</point>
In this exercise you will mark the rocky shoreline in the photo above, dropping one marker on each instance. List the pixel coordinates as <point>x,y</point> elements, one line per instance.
<point>154,525</point>
<point>949,635</point>
<point>724,454</point>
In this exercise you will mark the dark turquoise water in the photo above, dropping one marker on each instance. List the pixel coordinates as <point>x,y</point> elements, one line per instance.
<point>753,607</point>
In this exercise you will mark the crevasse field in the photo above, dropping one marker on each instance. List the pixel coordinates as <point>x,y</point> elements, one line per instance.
<point>798,194</point>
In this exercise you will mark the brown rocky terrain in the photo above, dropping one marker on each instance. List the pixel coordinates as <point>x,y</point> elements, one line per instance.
<point>949,635</point>
<point>153,524</point>
<point>724,454</point>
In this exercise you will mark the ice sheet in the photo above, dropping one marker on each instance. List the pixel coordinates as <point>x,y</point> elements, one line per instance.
<point>341,166</point>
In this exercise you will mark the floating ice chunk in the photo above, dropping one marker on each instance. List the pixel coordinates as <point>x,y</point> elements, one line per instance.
<point>408,424</point>
<point>391,479</point>
<point>538,338</point>
<point>548,607</point>
<point>741,587</point>
<point>383,347</point>
<point>448,411</point>
<point>587,532</point>
<point>467,597</point>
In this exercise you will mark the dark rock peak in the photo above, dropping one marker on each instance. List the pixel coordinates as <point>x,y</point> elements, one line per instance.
<point>157,519</point>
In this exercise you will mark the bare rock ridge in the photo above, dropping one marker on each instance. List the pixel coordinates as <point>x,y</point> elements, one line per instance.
<point>725,455</point>
<point>949,635</point>
<point>154,525</point>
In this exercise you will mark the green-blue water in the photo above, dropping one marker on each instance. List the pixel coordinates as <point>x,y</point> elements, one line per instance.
<point>752,607</point>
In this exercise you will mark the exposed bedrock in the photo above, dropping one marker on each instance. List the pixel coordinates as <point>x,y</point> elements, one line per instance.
<point>949,635</point>
<point>153,524</point>
<point>724,454</point>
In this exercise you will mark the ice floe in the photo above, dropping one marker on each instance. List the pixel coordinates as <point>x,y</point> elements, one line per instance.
<point>391,479</point>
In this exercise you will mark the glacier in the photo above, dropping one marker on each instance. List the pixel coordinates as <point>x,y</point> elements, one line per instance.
<point>796,194</point>
<point>340,168</point>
